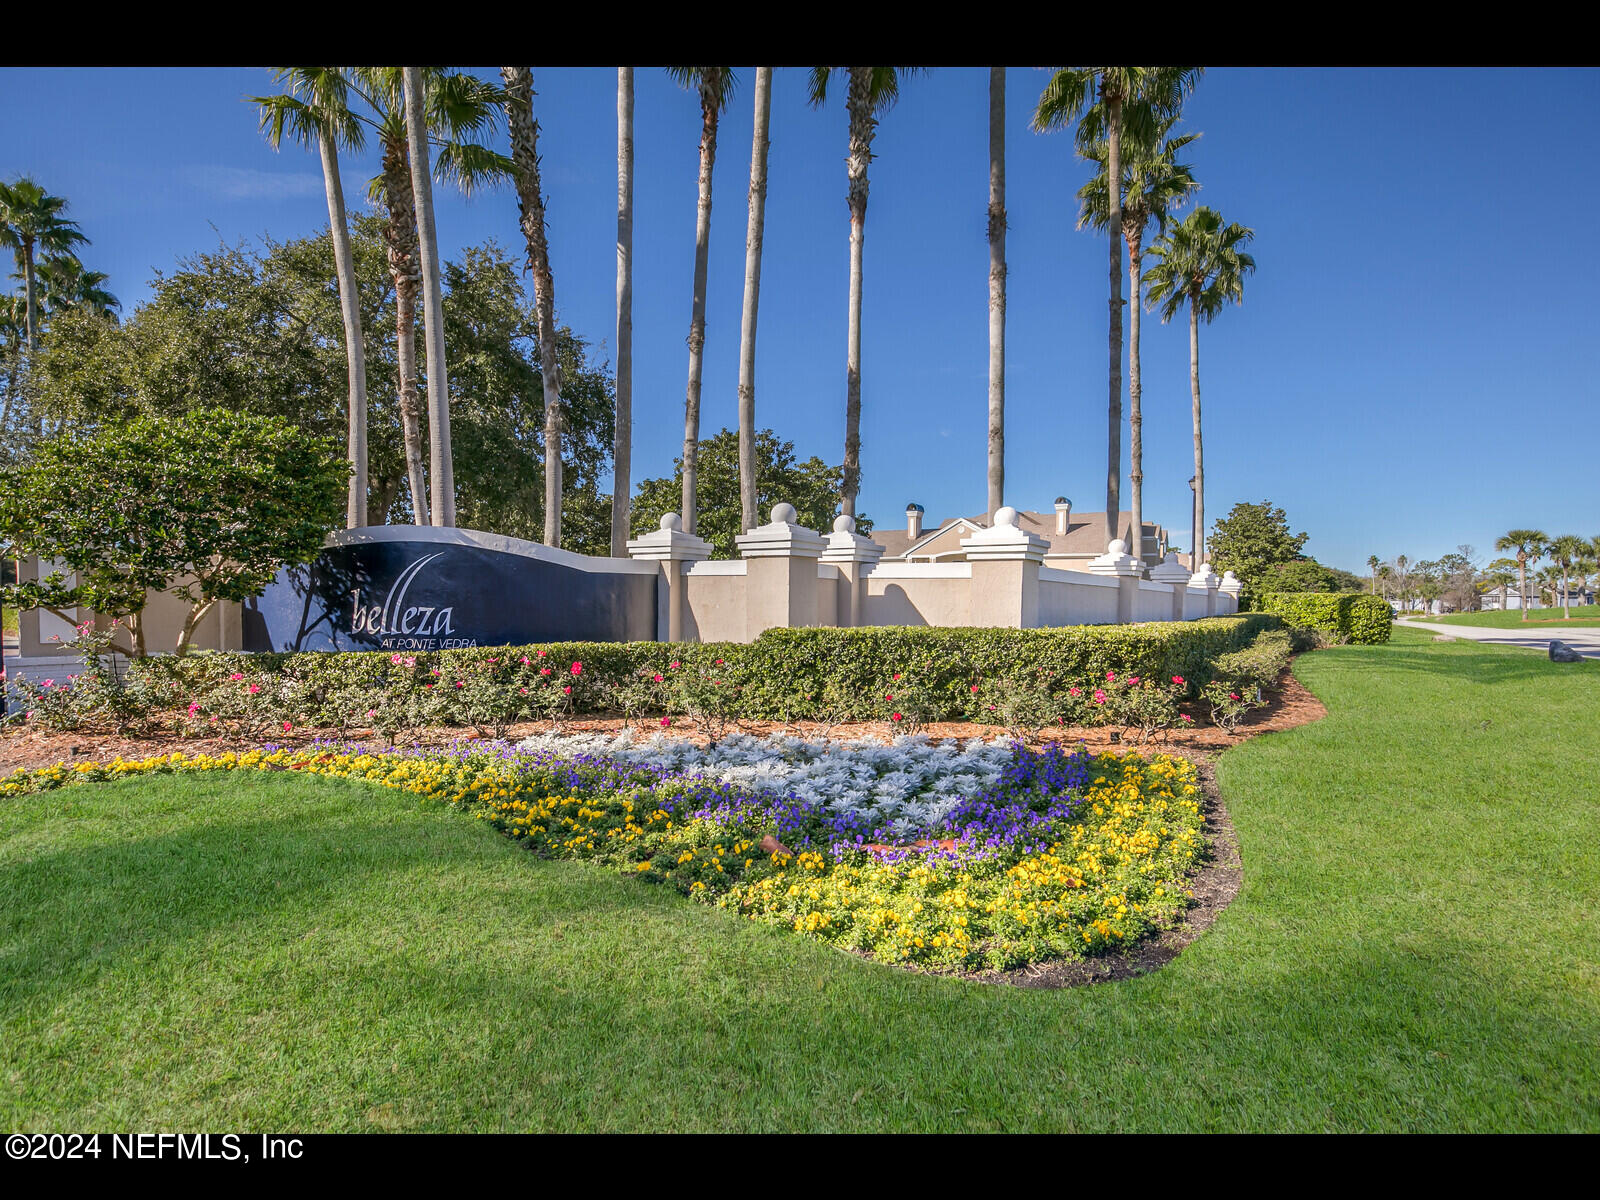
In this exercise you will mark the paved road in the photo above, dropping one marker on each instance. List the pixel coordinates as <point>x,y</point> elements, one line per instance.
<point>1585,640</point>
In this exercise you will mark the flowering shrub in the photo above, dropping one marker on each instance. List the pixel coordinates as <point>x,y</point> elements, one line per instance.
<point>1055,854</point>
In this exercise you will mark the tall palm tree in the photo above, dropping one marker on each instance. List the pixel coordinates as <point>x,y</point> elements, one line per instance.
<point>1566,552</point>
<point>461,108</point>
<point>441,466</point>
<point>622,445</point>
<point>1128,97</point>
<point>760,145</point>
<point>66,284</point>
<point>871,91</point>
<point>32,223</point>
<point>1154,184</point>
<point>1527,545</point>
<point>997,288</point>
<point>714,85</point>
<point>1201,265</point>
<point>315,108</point>
<point>1372,566</point>
<point>530,201</point>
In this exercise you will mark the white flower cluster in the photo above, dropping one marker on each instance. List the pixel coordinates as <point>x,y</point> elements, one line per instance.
<point>907,787</point>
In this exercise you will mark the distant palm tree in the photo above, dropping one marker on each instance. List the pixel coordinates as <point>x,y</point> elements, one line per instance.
<point>32,223</point>
<point>1128,99</point>
<point>997,288</point>
<point>530,200</point>
<point>622,444</point>
<point>754,233</point>
<point>460,108</point>
<point>1567,552</point>
<point>441,464</point>
<point>714,85</point>
<point>870,92</point>
<point>315,108</point>
<point>66,284</point>
<point>1202,265</point>
<point>1372,565</point>
<point>1528,546</point>
<point>1154,184</point>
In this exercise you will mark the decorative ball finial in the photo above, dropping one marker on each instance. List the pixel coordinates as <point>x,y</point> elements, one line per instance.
<point>671,521</point>
<point>1005,516</point>
<point>1118,546</point>
<point>844,523</point>
<point>784,514</point>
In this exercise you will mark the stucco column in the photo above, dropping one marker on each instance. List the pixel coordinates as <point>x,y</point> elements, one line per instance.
<point>1005,573</point>
<point>1127,570</point>
<point>855,556</point>
<point>780,574</point>
<point>1176,576</point>
<point>1230,587</point>
<point>1207,579</point>
<point>671,547</point>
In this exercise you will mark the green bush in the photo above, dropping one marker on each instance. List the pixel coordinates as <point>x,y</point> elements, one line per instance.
<point>786,674</point>
<point>1354,617</point>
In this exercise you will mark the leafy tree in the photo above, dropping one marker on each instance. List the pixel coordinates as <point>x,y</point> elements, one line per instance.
<point>811,486</point>
<point>1250,541</point>
<point>1499,575</point>
<point>207,507</point>
<point>258,329</point>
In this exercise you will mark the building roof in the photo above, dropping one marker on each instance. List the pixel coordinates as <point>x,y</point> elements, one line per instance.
<point>1085,536</point>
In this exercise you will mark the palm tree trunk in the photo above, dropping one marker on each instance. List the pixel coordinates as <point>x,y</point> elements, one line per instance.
<point>1199,452</point>
<point>697,312</point>
<point>1114,404</point>
<point>997,288</point>
<point>622,444</point>
<point>354,348</point>
<point>862,127</point>
<point>525,154</point>
<point>752,299</point>
<point>401,236</point>
<point>1566,602</point>
<point>1135,238</point>
<point>1522,582</point>
<point>30,305</point>
<point>440,467</point>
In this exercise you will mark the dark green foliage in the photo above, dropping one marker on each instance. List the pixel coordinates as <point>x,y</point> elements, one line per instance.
<point>1362,619</point>
<point>1250,541</point>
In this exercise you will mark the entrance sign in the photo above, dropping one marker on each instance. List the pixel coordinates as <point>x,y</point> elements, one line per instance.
<point>420,588</point>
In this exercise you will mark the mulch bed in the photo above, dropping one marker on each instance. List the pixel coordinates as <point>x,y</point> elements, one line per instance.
<point>1214,885</point>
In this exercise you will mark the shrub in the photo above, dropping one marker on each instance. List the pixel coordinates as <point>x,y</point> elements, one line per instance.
<point>1357,618</point>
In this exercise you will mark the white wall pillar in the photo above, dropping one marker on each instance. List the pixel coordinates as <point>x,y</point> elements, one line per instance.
<point>855,556</point>
<point>671,547</point>
<point>1230,587</point>
<point>1127,570</point>
<point>1175,575</point>
<point>1206,578</point>
<point>1005,563</point>
<point>780,580</point>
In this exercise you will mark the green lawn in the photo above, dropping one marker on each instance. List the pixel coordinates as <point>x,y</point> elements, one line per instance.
<point>1538,618</point>
<point>8,620</point>
<point>1415,947</point>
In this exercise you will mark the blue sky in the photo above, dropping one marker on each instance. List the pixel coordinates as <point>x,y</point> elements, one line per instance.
<point>1414,365</point>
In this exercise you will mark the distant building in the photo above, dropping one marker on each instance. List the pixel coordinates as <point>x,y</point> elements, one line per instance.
<point>1074,538</point>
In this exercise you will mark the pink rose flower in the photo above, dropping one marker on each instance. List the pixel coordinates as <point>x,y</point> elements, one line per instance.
<point>577,667</point>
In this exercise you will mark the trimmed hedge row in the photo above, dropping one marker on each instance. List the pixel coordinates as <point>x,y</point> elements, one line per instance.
<point>1363,619</point>
<point>786,674</point>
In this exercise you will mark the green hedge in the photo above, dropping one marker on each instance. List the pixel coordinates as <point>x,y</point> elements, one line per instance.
<point>786,674</point>
<point>1363,619</point>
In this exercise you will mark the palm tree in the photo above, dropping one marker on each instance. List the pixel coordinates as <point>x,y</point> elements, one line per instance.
<point>530,200</point>
<point>441,467</point>
<point>31,223</point>
<point>1154,184</point>
<point>1567,552</point>
<point>66,284</point>
<point>1129,97</point>
<point>752,298</point>
<point>622,445</point>
<point>997,288</point>
<point>460,107</point>
<point>1372,565</point>
<point>315,109</point>
<point>1528,546</point>
<point>1201,265</point>
<point>870,92</point>
<point>714,85</point>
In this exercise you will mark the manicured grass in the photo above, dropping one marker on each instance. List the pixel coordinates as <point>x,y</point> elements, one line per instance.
<point>1538,618</point>
<point>1414,948</point>
<point>8,621</point>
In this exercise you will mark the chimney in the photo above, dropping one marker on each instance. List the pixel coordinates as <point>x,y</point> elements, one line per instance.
<point>1063,515</point>
<point>913,521</point>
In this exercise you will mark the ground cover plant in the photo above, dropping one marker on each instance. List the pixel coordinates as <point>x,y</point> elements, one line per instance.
<point>1003,856</point>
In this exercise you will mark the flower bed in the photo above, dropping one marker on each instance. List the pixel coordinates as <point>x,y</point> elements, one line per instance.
<point>1033,855</point>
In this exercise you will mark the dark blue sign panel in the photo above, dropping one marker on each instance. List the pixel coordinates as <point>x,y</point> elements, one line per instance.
<point>418,595</point>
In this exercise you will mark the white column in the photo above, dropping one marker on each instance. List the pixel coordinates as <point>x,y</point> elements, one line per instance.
<point>780,579</point>
<point>1127,570</point>
<point>1005,573</point>
<point>855,556</point>
<point>672,548</point>
<point>1174,574</point>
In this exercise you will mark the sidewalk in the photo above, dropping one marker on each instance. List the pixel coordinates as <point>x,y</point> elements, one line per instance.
<point>1586,641</point>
